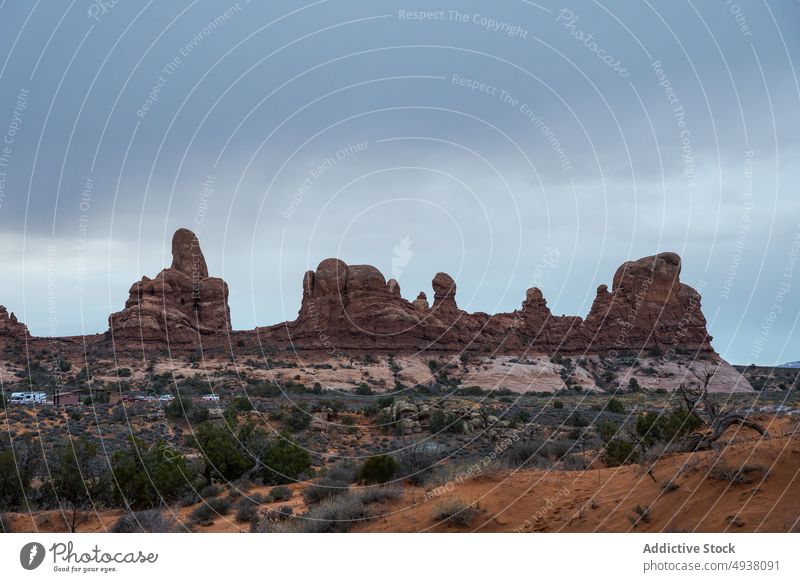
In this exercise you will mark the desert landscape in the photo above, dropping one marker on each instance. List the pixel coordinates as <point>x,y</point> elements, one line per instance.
<point>371,413</point>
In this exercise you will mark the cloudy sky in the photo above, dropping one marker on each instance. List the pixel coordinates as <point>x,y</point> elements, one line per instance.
<point>509,144</point>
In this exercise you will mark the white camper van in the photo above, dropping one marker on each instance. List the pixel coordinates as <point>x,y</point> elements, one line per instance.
<point>28,397</point>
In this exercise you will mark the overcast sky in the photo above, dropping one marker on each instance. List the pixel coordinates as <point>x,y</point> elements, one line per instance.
<point>506,143</point>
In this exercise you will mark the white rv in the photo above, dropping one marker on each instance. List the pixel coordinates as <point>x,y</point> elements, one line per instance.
<point>28,398</point>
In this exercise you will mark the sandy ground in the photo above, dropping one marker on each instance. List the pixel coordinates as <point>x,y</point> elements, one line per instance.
<point>605,500</point>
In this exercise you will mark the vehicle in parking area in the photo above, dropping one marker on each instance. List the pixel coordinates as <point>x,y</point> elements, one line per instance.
<point>166,398</point>
<point>28,398</point>
<point>210,398</point>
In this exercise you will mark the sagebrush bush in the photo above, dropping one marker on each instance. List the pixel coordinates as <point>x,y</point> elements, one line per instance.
<point>346,470</point>
<point>210,491</point>
<point>335,515</point>
<point>379,469</point>
<point>416,463</point>
<point>371,495</point>
<point>149,521</point>
<point>325,489</point>
<point>453,510</point>
<point>246,510</point>
<point>280,493</point>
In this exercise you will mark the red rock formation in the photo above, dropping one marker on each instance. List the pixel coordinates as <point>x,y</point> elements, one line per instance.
<point>353,308</point>
<point>649,308</point>
<point>180,305</point>
<point>10,327</point>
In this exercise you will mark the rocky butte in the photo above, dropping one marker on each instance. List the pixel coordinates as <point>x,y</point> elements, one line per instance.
<point>180,306</point>
<point>352,308</point>
<point>10,327</point>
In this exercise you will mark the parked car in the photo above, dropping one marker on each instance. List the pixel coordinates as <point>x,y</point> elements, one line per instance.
<point>166,398</point>
<point>28,398</point>
<point>210,398</point>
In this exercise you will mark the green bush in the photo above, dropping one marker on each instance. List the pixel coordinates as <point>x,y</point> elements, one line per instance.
<point>242,404</point>
<point>653,427</point>
<point>379,469</point>
<point>284,462</point>
<point>615,406</point>
<point>607,430</point>
<point>147,476</point>
<point>558,404</point>
<point>221,452</point>
<point>438,422</point>
<point>364,390</point>
<point>620,452</point>
<point>179,408</point>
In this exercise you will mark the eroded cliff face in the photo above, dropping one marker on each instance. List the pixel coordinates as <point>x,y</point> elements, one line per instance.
<point>354,308</point>
<point>10,327</point>
<point>181,305</point>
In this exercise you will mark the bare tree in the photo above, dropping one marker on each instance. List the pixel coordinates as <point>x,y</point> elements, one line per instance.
<point>705,408</point>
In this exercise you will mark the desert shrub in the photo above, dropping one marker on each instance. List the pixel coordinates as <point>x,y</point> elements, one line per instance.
<point>737,475</point>
<point>149,521</point>
<point>5,526</point>
<point>379,469</point>
<point>620,452</point>
<point>203,515</point>
<point>283,462</point>
<point>179,408</point>
<point>221,452</point>
<point>453,510</point>
<point>346,470</point>
<point>198,414</point>
<point>558,404</point>
<point>325,489</point>
<point>280,493</point>
<point>145,476</point>
<point>242,404</point>
<point>438,422</point>
<point>77,480</point>
<point>653,427</point>
<point>607,430</point>
<point>246,510</point>
<point>385,401</point>
<point>336,515</point>
<point>189,499</point>
<point>577,419</point>
<point>210,491</point>
<point>616,406</point>
<point>521,416</point>
<point>379,494</point>
<point>575,463</point>
<point>279,513</point>
<point>222,505</point>
<point>18,466</point>
<point>643,513</point>
<point>299,419</point>
<point>416,463</point>
<point>364,390</point>
<point>523,453</point>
